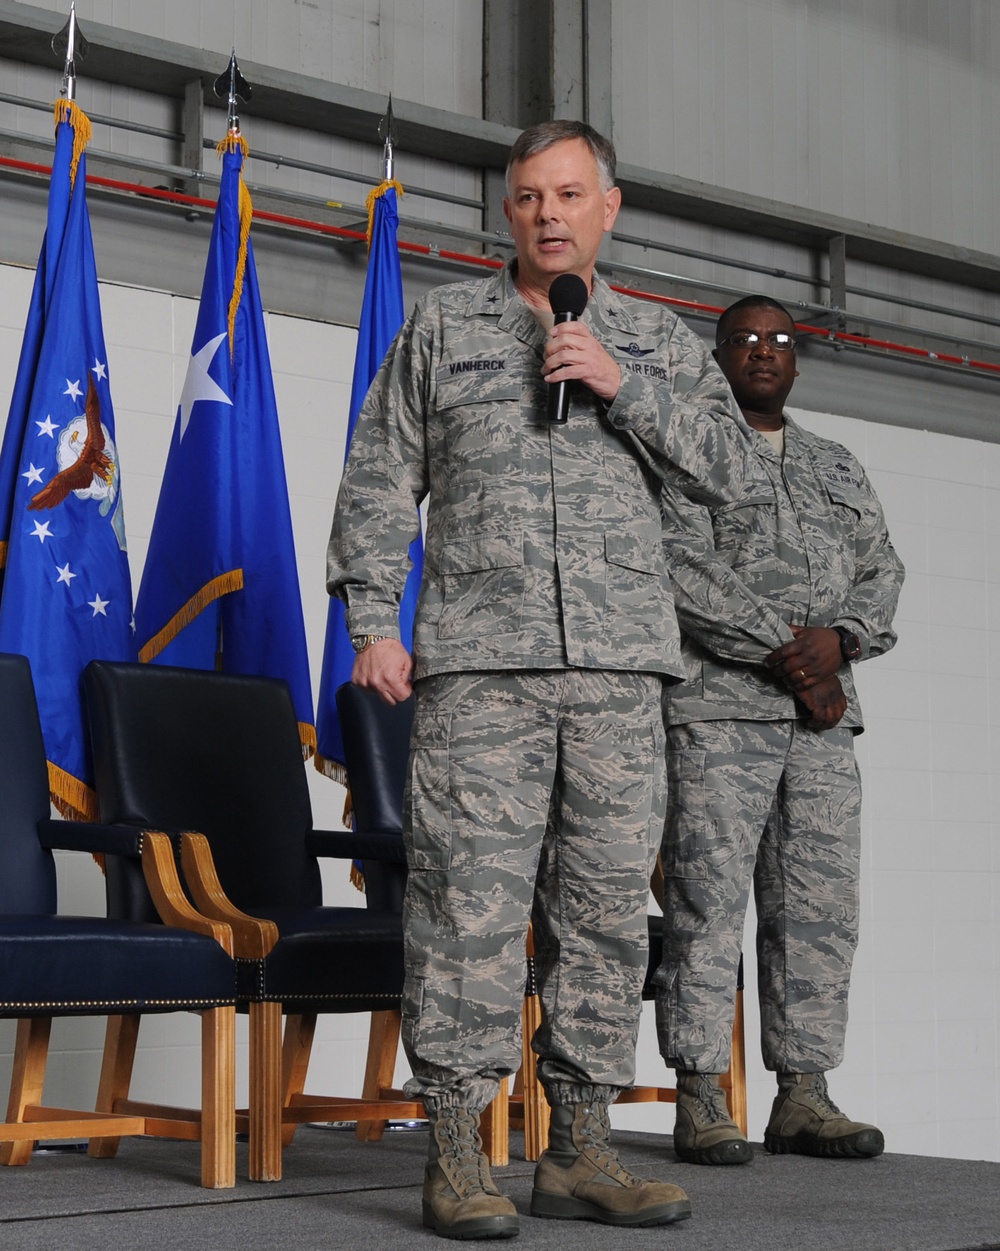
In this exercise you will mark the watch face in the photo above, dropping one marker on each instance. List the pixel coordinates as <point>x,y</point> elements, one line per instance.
<point>850,646</point>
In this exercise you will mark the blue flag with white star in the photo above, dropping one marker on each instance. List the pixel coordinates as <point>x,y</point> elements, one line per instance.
<point>381,318</point>
<point>66,594</point>
<point>220,586</point>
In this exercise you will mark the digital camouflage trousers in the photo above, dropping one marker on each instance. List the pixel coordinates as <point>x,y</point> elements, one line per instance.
<point>532,796</point>
<point>778,805</point>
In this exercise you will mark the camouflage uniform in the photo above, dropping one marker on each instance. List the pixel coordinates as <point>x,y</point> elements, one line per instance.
<point>544,629</point>
<point>754,792</point>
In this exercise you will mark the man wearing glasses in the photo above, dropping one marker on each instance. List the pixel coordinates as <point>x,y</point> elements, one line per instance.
<point>778,595</point>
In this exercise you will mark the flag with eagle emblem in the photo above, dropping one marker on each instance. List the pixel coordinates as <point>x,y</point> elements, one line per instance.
<point>66,594</point>
<point>220,586</point>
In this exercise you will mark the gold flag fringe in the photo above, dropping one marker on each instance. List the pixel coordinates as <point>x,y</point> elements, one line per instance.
<point>75,801</point>
<point>374,195</point>
<point>234,142</point>
<point>70,111</point>
<point>3,554</point>
<point>334,770</point>
<point>357,875</point>
<point>307,737</point>
<point>222,585</point>
<point>72,798</point>
<point>331,769</point>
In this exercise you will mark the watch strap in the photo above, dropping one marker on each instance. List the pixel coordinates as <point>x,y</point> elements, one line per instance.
<point>361,642</point>
<point>850,644</point>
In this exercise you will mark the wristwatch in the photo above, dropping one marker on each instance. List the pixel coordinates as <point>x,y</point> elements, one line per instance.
<point>850,644</point>
<point>360,641</point>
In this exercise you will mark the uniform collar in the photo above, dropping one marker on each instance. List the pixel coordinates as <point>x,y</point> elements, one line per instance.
<point>498,297</point>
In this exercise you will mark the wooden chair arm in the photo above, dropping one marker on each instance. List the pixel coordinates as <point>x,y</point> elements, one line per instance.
<point>254,936</point>
<point>160,871</point>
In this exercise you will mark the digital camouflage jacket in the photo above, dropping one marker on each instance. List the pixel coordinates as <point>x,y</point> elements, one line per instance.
<point>543,546</point>
<point>805,544</point>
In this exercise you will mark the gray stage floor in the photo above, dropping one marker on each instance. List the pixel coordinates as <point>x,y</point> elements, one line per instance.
<point>337,1193</point>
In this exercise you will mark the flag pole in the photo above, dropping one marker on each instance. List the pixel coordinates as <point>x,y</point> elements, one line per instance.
<point>71,45</point>
<point>385,133</point>
<point>233,87</point>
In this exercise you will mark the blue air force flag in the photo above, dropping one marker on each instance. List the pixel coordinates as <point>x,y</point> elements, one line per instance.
<point>66,594</point>
<point>220,586</point>
<point>381,318</point>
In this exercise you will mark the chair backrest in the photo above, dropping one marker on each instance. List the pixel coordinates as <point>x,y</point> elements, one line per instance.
<point>376,753</point>
<point>186,749</point>
<point>27,871</point>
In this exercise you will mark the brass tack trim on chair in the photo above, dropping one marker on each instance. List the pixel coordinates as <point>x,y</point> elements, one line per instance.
<point>106,1004</point>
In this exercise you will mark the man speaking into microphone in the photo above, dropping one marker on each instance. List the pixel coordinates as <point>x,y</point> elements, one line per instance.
<point>544,633</point>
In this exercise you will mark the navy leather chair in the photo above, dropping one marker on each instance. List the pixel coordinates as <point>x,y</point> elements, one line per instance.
<point>187,750</point>
<point>53,965</point>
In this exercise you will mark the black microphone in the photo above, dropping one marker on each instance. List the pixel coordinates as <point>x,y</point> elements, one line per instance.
<point>568,296</point>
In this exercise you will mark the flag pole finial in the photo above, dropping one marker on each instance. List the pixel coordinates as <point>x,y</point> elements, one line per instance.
<point>385,133</point>
<point>71,45</point>
<point>232,86</point>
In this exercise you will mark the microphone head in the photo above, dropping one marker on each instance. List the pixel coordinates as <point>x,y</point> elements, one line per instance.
<point>568,294</point>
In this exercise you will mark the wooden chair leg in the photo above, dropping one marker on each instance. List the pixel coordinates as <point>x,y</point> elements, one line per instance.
<point>495,1128</point>
<point>265,1092</point>
<point>120,1040</point>
<point>734,1083</point>
<point>218,1098</point>
<point>27,1079</point>
<point>536,1107</point>
<point>380,1068</point>
<point>300,1030</point>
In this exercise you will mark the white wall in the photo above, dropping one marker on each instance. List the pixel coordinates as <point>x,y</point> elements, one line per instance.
<point>878,110</point>
<point>923,1056</point>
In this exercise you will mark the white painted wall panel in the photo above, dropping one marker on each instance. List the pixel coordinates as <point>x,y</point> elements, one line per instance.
<point>428,51</point>
<point>878,110</point>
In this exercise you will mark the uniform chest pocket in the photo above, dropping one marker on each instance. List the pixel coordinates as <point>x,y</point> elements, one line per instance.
<point>844,496</point>
<point>478,404</point>
<point>746,533</point>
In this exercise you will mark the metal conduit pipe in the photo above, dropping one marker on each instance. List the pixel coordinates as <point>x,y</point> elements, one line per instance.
<point>266,158</point>
<point>278,161</point>
<point>903,351</point>
<point>443,197</point>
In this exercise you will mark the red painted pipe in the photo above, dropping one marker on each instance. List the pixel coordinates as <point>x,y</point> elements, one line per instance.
<point>490,262</point>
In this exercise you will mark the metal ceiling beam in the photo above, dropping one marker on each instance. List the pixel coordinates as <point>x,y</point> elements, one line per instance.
<point>165,68</point>
<point>161,66</point>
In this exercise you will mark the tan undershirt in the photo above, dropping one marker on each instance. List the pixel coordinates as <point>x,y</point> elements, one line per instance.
<point>546,317</point>
<point>776,438</point>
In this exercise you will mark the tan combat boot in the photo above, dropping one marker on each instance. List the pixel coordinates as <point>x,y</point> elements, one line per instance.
<point>805,1121</point>
<point>581,1178</point>
<point>459,1198</point>
<point>704,1132</point>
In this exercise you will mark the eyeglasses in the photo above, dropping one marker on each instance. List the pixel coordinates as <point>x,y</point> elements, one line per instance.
<point>780,341</point>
